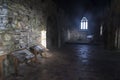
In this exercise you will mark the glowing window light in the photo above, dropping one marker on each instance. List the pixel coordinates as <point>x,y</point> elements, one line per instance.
<point>84,27</point>
<point>81,25</point>
<point>101,30</point>
<point>84,23</point>
<point>43,38</point>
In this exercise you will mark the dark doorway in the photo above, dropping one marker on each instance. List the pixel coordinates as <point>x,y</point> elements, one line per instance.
<point>52,32</point>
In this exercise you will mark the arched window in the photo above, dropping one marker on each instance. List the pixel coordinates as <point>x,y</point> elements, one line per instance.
<point>84,24</point>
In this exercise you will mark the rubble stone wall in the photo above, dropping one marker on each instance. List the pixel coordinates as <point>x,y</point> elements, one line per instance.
<point>36,16</point>
<point>25,21</point>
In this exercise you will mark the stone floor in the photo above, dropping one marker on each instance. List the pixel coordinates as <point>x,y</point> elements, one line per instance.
<point>74,62</point>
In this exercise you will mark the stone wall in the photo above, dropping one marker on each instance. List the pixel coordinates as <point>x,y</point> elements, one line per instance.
<point>117,38</point>
<point>78,36</point>
<point>25,21</point>
<point>111,25</point>
<point>63,26</point>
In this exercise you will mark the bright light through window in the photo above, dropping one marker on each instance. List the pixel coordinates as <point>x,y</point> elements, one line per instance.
<point>43,38</point>
<point>84,23</point>
<point>101,30</point>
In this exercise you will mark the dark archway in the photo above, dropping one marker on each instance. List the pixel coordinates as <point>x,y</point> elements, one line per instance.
<point>52,32</point>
